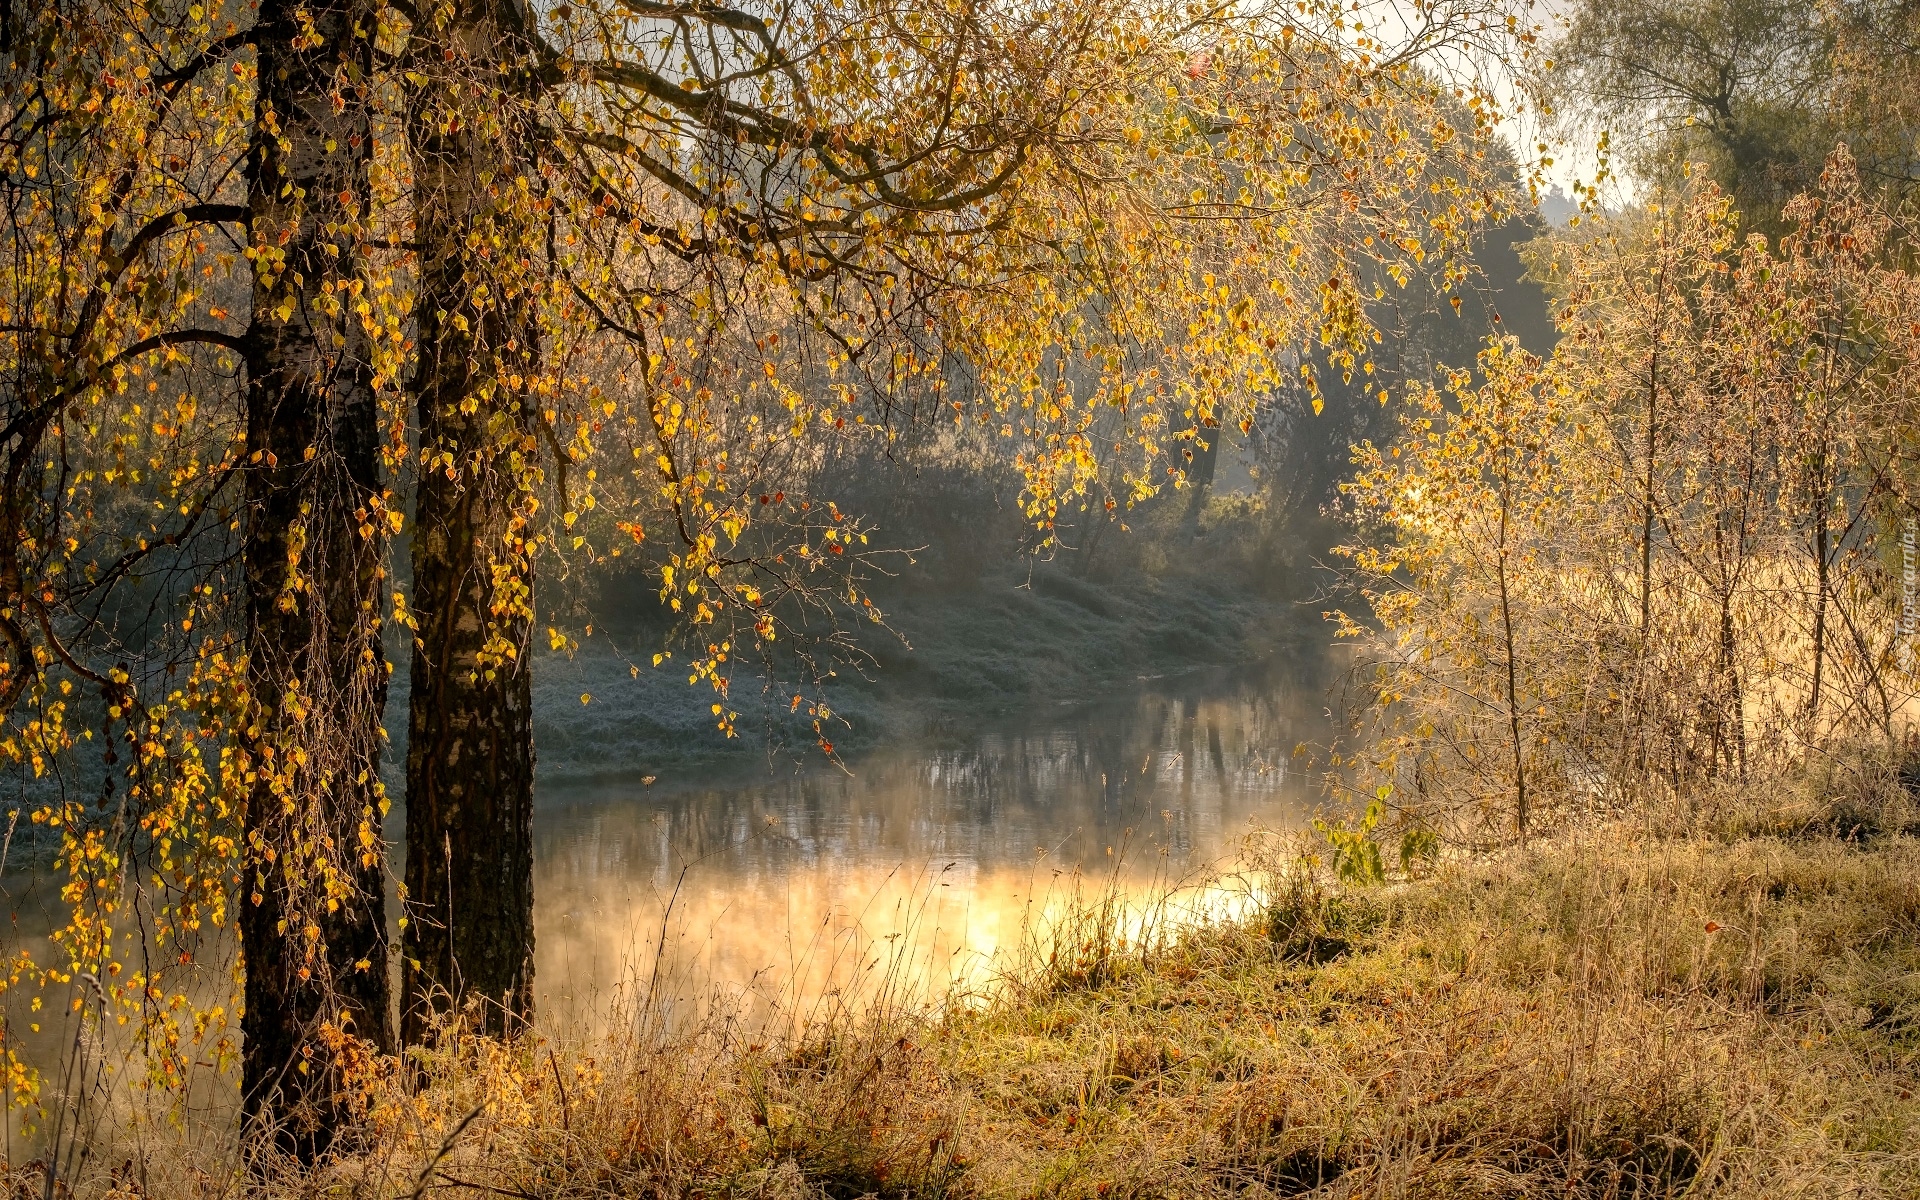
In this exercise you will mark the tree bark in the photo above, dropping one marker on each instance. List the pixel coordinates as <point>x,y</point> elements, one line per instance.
<point>1733,704</point>
<point>1520,813</point>
<point>1643,686</point>
<point>1201,456</point>
<point>470,756</point>
<point>1821,554</point>
<point>1646,502</point>
<point>312,921</point>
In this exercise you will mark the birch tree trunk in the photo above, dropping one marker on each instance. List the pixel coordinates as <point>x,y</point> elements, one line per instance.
<point>470,756</point>
<point>312,922</point>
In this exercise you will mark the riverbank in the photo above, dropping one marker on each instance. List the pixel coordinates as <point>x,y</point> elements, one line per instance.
<point>1719,1000</point>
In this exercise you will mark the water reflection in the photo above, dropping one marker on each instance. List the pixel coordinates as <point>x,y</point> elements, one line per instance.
<point>782,892</point>
<point>789,886</point>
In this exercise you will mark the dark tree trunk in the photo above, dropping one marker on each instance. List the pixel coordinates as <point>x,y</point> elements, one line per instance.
<point>1821,566</point>
<point>1520,813</point>
<point>1733,702</point>
<point>469,874</point>
<point>1200,457</point>
<point>469,936</point>
<point>1643,692</point>
<point>1646,519</point>
<point>312,926</point>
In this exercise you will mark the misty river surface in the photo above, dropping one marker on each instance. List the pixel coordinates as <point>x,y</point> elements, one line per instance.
<point>775,890</point>
<point>786,887</point>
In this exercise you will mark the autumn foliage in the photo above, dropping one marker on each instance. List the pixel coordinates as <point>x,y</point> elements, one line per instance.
<point>1661,556</point>
<point>574,284</point>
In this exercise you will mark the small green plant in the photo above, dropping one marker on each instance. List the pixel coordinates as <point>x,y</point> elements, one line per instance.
<point>1419,849</point>
<point>1354,854</point>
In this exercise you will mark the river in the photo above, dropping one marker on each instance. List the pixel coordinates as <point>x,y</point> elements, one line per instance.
<point>934,862</point>
<point>904,873</point>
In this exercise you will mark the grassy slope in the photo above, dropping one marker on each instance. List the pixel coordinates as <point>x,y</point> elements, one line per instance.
<point>1563,1022</point>
<point>1729,1011</point>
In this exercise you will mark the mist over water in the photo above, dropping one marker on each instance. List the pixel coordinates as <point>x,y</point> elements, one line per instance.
<point>778,890</point>
<point>929,861</point>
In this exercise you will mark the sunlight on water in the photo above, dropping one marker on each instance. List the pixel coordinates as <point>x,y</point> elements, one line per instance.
<point>782,895</point>
<point>916,871</point>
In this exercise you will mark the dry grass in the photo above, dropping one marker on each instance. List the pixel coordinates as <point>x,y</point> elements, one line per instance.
<point>1722,1002</point>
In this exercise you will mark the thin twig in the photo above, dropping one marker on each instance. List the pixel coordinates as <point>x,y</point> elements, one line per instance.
<point>566,1117</point>
<point>446,1147</point>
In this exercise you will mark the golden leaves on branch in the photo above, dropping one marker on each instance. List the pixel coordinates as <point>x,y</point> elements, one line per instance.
<point>1651,559</point>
